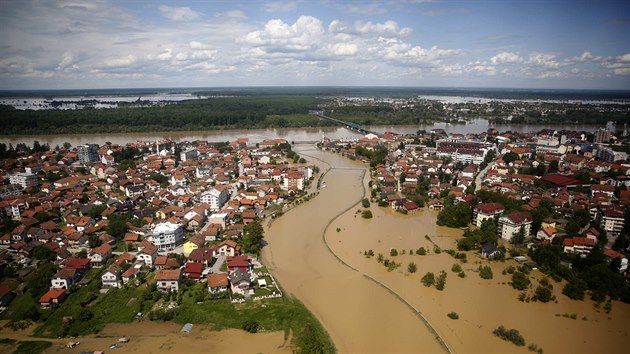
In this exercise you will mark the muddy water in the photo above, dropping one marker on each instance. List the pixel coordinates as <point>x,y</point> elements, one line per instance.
<point>164,337</point>
<point>360,315</point>
<point>482,305</point>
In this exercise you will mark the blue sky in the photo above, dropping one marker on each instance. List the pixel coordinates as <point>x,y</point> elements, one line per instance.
<point>109,44</point>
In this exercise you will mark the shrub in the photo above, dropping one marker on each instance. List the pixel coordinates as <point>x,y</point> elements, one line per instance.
<point>456,268</point>
<point>365,202</point>
<point>428,279</point>
<point>520,281</point>
<point>453,315</point>
<point>412,267</point>
<point>437,249</point>
<point>461,274</point>
<point>421,251</point>
<point>366,214</point>
<point>380,258</point>
<point>543,294</point>
<point>485,272</point>
<point>510,335</point>
<point>393,252</point>
<point>251,326</point>
<point>441,281</point>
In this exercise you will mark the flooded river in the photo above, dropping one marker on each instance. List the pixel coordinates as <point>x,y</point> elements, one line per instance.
<point>360,315</point>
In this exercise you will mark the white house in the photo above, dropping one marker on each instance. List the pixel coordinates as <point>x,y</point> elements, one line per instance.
<point>168,280</point>
<point>112,276</point>
<point>215,197</point>
<point>64,278</point>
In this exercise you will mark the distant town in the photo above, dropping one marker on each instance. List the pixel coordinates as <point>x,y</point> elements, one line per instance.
<point>174,218</point>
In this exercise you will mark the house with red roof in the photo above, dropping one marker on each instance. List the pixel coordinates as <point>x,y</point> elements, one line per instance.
<point>218,283</point>
<point>168,280</point>
<point>53,297</point>
<point>99,255</point>
<point>193,270</point>
<point>239,262</point>
<point>580,245</point>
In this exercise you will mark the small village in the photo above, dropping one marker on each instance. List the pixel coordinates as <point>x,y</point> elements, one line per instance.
<point>146,223</point>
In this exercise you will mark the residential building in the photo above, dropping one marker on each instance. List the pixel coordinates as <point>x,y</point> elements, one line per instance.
<point>88,153</point>
<point>294,181</point>
<point>168,280</point>
<point>487,211</point>
<point>215,197</point>
<point>218,283</point>
<point>580,245</point>
<point>228,248</point>
<point>612,221</point>
<point>99,255</point>
<point>241,282</point>
<point>188,154</point>
<point>26,180</point>
<point>112,276</point>
<point>148,254</point>
<point>53,297</point>
<point>510,225</point>
<point>64,278</point>
<point>167,235</point>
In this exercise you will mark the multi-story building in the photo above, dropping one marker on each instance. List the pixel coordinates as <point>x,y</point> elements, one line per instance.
<point>168,280</point>
<point>463,151</point>
<point>88,153</point>
<point>188,154</point>
<point>511,224</point>
<point>487,211</point>
<point>26,180</point>
<point>612,221</point>
<point>215,197</point>
<point>294,181</point>
<point>168,235</point>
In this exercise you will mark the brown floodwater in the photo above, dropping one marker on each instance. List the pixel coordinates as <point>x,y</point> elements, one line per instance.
<point>360,315</point>
<point>482,305</point>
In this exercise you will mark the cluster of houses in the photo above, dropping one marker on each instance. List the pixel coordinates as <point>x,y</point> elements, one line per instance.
<point>189,201</point>
<point>459,165</point>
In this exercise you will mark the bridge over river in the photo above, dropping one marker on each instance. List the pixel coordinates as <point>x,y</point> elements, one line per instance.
<point>350,125</point>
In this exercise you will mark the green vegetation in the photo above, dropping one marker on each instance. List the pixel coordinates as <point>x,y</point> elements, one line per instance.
<point>428,279</point>
<point>412,267</point>
<point>453,315</point>
<point>485,272</point>
<point>456,268</point>
<point>421,251</point>
<point>376,156</point>
<point>510,335</point>
<point>116,306</point>
<point>216,113</point>
<point>441,281</point>
<point>455,215</point>
<point>32,347</point>
<point>366,214</point>
<point>365,202</point>
<point>253,234</point>
<point>281,314</point>
<point>520,281</point>
<point>393,252</point>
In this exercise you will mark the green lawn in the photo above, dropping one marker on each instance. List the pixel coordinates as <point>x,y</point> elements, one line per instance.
<point>19,307</point>
<point>280,314</point>
<point>32,347</point>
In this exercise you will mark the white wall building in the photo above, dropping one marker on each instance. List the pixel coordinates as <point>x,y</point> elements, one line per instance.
<point>167,235</point>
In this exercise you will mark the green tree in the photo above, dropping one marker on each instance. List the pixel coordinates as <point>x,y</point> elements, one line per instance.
<point>520,281</point>
<point>94,241</point>
<point>366,214</point>
<point>441,281</point>
<point>412,267</point>
<point>485,272</point>
<point>365,202</point>
<point>428,279</point>
<point>39,282</point>
<point>44,253</point>
<point>543,294</point>
<point>117,228</point>
<point>253,235</point>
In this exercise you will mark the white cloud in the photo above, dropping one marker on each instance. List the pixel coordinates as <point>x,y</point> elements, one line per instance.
<point>363,9</point>
<point>624,58</point>
<point>506,58</point>
<point>585,56</point>
<point>345,49</point>
<point>66,61</point>
<point>386,29</point>
<point>120,61</point>
<point>546,60</point>
<point>174,13</point>
<point>303,35</point>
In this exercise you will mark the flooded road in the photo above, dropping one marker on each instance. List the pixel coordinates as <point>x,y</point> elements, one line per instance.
<point>360,315</point>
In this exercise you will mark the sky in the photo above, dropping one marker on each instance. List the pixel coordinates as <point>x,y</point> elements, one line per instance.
<point>557,44</point>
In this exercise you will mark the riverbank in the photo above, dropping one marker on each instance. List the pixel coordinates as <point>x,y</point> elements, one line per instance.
<point>482,305</point>
<point>164,337</point>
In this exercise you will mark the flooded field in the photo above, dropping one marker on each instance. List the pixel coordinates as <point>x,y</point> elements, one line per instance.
<point>482,305</point>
